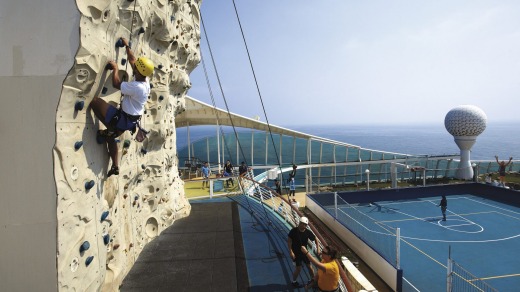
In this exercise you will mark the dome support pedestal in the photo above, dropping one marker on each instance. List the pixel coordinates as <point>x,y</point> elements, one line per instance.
<point>465,170</point>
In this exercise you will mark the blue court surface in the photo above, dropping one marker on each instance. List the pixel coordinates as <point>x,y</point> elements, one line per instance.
<point>482,230</point>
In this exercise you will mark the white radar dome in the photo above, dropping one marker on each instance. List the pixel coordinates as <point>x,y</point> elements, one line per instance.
<point>465,120</point>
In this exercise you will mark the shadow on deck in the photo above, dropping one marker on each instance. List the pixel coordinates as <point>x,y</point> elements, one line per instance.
<point>226,244</point>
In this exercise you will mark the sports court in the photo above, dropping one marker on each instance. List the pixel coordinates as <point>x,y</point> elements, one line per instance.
<point>482,231</point>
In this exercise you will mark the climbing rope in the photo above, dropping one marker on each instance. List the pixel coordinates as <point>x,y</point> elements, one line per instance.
<point>227,107</point>
<point>260,97</point>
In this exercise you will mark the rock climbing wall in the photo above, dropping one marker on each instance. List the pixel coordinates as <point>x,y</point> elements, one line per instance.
<point>104,223</point>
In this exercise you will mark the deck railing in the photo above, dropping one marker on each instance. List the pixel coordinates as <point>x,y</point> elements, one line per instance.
<point>290,213</point>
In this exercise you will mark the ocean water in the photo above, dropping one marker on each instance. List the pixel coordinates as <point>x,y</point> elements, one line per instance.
<point>502,139</point>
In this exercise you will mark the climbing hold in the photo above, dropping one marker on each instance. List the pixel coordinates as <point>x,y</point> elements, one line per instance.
<point>172,18</point>
<point>143,150</point>
<point>79,105</point>
<point>78,145</point>
<point>89,185</point>
<point>161,97</point>
<point>104,216</point>
<point>125,196</point>
<point>84,246</point>
<point>119,43</point>
<point>126,144</point>
<point>74,265</point>
<point>106,239</point>
<point>104,90</point>
<point>143,166</point>
<point>116,246</point>
<point>141,30</point>
<point>117,140</point>
<point>89,260</point>
<point>160,66</point>
<point>151,85</point>
<point>136,197</point>
<point>123,61</point>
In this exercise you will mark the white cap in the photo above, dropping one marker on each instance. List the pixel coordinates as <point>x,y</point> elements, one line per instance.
<point>304,220</point>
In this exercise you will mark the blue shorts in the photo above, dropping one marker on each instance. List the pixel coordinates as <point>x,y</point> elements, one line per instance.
<point>116,119</point>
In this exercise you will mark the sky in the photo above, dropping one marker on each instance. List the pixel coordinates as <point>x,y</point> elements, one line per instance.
<point>346,62</point>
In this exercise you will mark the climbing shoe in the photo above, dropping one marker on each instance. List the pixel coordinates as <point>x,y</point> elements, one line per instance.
<point>113,171</point>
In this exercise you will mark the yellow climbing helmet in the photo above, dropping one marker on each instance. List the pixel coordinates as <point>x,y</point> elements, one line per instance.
<point>144,66</point>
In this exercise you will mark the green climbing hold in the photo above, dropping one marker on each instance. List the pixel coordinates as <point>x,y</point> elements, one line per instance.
<point>126,144</point>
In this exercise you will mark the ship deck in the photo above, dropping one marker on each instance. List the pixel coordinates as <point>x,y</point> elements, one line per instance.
<point>226,244</point>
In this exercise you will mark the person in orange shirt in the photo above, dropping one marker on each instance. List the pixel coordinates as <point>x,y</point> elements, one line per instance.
<point>327,277</point>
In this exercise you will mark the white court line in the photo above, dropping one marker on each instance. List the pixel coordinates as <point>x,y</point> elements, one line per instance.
<point>378,232</point>
<point>411,285</point>
<point>493,206</point>
<point>431,240</point>
<point>420,201</point>
<point>457,225</point>
<point>463,218</point>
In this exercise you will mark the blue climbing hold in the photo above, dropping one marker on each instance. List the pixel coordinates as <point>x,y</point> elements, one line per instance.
<point>126,144</point>
<point>123,61</point>
<point>79,105</point>
<point>104,90</point>
<point>144,151</point>
<point>89,260</point>
<point>106,239</point>
<point>104,215</point>
<point>119,43</point>
<point>136,198</point>
<point>84,246</point>
<point>172,18</point>
<point>89,185</point>
<point>151,85</point>
<point>141,30</point>
<point>78,145</point>
<point>160,66</point>
<point>161,97</point>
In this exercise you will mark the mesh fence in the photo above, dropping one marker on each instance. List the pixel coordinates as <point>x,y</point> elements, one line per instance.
<point>381,237</point>
<point>459,279</point>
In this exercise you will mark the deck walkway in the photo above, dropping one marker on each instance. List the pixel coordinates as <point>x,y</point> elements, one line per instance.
<point>226,244</point>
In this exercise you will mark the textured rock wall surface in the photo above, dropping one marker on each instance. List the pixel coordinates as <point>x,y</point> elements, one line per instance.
<point>104,223</point>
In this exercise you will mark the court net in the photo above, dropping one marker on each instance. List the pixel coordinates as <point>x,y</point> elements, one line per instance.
<point>381,237</point>
<point>459,279</point>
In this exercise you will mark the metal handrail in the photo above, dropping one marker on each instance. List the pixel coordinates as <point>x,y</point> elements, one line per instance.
<point>246,180</point>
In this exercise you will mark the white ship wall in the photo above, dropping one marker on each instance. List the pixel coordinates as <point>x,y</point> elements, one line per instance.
<point>53,55</point>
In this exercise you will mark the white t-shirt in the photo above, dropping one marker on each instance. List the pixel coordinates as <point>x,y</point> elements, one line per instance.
<point>135,94</point>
